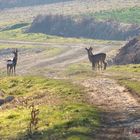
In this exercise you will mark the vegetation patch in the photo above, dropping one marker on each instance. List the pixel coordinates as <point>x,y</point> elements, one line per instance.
<point>71,118</point>
<point>25,86</point>
<point>15,26</point>
<point>127,15</point>
<point>19,34</point>
<point>80,70</point>
<point>134,86</point>
<point>127,75</point>
<point>132,68</point>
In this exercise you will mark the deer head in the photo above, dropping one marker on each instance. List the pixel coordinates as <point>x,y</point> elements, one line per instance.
<point>89,50</point>
<point>15,51</point>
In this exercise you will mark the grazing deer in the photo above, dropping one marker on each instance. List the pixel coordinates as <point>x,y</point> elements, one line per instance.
<point>97,59</point>
<point>11,64</point>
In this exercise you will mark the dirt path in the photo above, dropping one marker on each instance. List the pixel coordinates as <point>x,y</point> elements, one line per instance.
<point>33,60</point>
<point>121,111</point>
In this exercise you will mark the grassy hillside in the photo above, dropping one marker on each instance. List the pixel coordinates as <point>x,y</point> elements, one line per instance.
<point>127,15</point>
<point>63,112</point>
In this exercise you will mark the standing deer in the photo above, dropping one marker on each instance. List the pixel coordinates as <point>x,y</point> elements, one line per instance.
<point>97,60</point>
<point>11,64</point>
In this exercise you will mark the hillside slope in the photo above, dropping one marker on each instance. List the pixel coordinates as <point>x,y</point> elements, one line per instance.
<point>85,27</point>
<point>129,53</point>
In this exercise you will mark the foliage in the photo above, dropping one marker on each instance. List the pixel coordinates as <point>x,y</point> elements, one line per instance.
<point>34,120</point>
<point>127,15</point>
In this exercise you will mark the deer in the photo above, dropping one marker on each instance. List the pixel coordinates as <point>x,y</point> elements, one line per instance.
<point>97,60</point>
<point>11,64</point>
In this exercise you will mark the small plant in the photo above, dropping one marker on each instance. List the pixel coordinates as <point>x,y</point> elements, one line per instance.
<point>33,124</point>
<point>25,103</point>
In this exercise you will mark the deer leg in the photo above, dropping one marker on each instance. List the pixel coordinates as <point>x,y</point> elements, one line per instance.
<point>98,66</point>
<point>93,66</point>
<point>7,70</point>
<point>11,70</point>
<point>101,65</point>
<point>105,64</point>
<point>14,70</point>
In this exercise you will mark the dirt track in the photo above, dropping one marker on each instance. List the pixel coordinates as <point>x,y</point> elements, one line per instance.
<point>33,58</point>
<point>121,110</point>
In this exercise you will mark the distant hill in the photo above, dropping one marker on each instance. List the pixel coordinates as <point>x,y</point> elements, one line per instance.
<point>130,53</point>
<point>22,3</point>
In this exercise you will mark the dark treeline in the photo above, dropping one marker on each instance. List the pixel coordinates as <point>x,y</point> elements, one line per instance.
<point>22,3</point>
<point>85,27</point>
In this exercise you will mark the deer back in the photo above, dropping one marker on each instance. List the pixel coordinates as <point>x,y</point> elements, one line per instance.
<point>99,57</point>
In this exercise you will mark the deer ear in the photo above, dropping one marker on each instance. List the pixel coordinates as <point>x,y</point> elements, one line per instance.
<point>86,49</point>
<point>15,50</point>
<point>91,48</point>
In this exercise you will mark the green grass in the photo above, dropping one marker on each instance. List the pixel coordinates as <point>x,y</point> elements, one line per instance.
<point>126,68</point>
<point>127,15</point>
<point>71,119</point>
<point>132,85</point>
<point>80,70</point>
<point>15,26</point>
<point>25,86</point>
<point>127,75</point>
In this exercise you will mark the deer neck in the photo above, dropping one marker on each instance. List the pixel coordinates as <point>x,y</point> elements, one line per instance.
<point>15,59</point>
<point>90,56</point>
